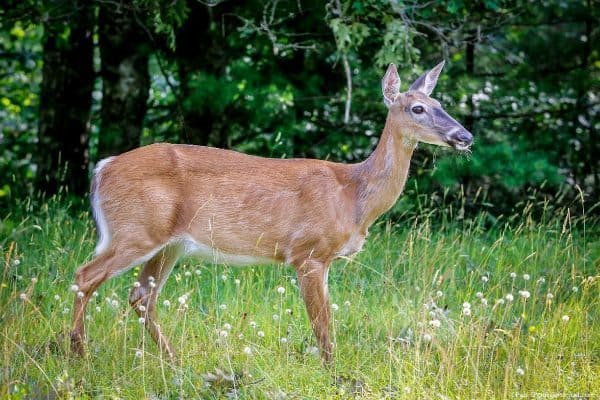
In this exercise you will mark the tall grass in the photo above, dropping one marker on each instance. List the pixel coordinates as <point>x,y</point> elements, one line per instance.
<point>437,306</point>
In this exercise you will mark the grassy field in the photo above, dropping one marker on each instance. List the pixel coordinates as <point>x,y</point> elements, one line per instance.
<point>436,307</point>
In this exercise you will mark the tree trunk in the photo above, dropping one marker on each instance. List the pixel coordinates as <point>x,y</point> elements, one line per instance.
<point>124,50</point>
<point>66,98</point>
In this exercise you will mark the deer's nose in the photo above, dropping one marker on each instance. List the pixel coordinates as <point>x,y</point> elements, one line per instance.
<point>464,136</point>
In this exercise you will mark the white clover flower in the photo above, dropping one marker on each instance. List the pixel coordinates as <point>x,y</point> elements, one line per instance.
<point>138,353</point>
<point>152,284</point>
<point>500,301</point>
<point>23,296</point>
<point>223,334</point>
<point>16,262</point>
<point>281,290</point>
<point>479,295</point>
<point>167,303</point>
<point>435,323</point>
<point>439,293</point>
<point>136,284</point>
<point>247,350</point>
<point>80,295</point>
<point>114,303</point>
<point>335,307</point>
<point>513,275</point>
<point>275,317</point>
<point>293,281</point>
<point>241,336</point>
<point>121,322</point>
<point>198,272</point>
<point>142,320</point>
<point>227,326</point>
<point>66,310</point>
<point>485,278</point>
<point>283,340</point>
<point>541,280</point>
<point>34,280</point>
<point>484,302</point>
<point>524,294</point>
<point>549,296</point>
<point>466,311</point>
<point>181,300</point>
<point>74,288</point>
<point>575,289</point>
<point>223,277</point>
<point>466,305</point>
<point>520,371</point>
<point>187,273</point>
<point>223,306</point>
<point>565,318</point>
<point>98,309</point>
<point>347,303</point>
<point>56,297</point>
<point>151,279</point>
<point>260,334</point>
<point>509,297</point>
<point>526,277</point>
<point>237,282</point>
<point>95,294</point>
<point>288,311</point>
<point>141,308</point>
<point>253,324</point>
<point>427,337</point>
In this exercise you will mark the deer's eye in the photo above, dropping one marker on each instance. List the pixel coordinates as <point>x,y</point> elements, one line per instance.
<point>418,109</point>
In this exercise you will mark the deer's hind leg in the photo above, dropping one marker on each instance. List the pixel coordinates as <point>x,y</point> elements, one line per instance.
<point>145,292</point>
<point>112,261</point>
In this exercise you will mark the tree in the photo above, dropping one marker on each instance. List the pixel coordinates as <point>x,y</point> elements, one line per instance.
<point>65,98</point>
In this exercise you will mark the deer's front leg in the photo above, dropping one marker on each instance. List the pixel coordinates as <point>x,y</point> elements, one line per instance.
<point>312,279</point>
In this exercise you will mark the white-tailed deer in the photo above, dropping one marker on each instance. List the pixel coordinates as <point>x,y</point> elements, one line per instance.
<point>156,203</point>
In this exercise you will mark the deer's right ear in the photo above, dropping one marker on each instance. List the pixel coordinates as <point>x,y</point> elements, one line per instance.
<point>390,85</point>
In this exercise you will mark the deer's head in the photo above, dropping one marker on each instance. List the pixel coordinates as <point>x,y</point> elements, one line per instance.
<point>420,117</point>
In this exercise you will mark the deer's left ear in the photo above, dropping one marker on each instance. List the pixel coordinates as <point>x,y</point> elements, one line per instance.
<point>426,82</point>
<point>390,85</point>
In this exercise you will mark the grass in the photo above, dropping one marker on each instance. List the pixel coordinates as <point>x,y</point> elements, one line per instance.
<point>423,312</point>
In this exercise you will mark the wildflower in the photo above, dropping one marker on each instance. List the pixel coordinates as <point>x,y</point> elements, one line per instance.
<point>181,300</point>
<point>466,305</point>
<point>479,295</point>
<point>142,320</point>
<point>347,303</point>
<point>549,296</point>
<point>288,311</point>
<point>114,303</point>
<point>509,297</point>
<point>167,303</point>
<point>23,296</point>
<point>275,317</point>
<point>237,282</point>
<point>223,277</point>
<point>138,354</point>
<point>427,337</point>
<point>152,284</point>
<point>513,275</point>
<point>98,308</point>
<point>253,324</point>
<point>223,334</point>
<point>520,371</point>
<point>260,334</point>
<point>136,284</point>
<point>281,290</point>
<point>95,294</point>
<point>484,302</point>
<point>151,278</point>
<point>16,262</point>
<point>466,312</point>
<point>439,293</point>
<point>74,288</point>
<point>293,281</point>
<point>227,327</point>
<point>187,273</point>
<point>524,294</point>
<point>66,310</point>
<point>541,280</point>
<point>56,297</point>
<point>247,350</point>
<point>335,307</point>
<point>565,318</point>
<point>485,278</point>
<point>526,277</point>
<point>198,272</point>
<point>80,295</point>
<point>575,289</point>
<point>142,308</point>
<point>500,301</point>
<point>435,323</point>
<point>241,336</point>
<point>283,340</point>
<point>223,306</point>
<point>34,280</point>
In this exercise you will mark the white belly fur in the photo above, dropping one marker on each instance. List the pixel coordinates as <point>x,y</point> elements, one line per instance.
<point>209,253</point>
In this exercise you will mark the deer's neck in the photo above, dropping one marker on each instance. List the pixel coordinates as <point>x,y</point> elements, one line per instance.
<point>381,177</point>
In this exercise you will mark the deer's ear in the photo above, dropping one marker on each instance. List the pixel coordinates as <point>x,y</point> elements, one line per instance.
<point>426,82</point>
<point>390,85</point>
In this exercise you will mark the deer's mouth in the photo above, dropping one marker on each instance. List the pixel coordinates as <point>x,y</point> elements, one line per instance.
<point>460,139</point>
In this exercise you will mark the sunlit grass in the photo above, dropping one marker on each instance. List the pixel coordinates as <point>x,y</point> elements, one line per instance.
<point>429,309</point>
